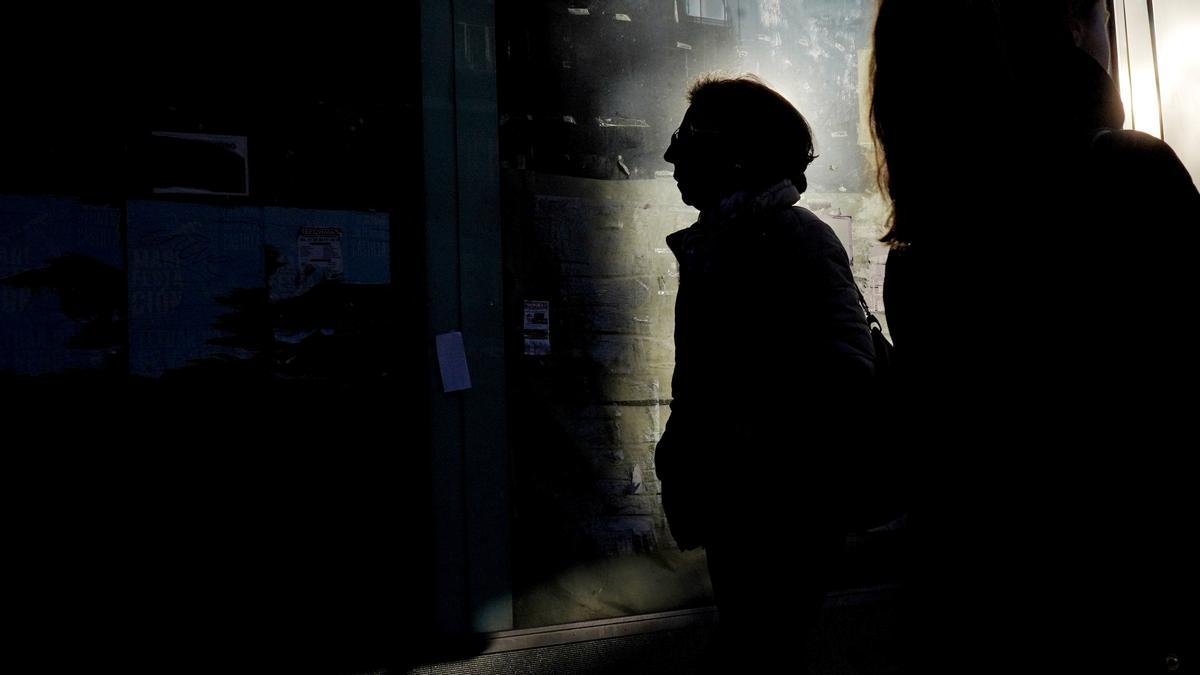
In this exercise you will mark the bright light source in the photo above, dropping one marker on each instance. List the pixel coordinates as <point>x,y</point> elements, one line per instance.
<point>1138,82</point>
<point>1178,36</point>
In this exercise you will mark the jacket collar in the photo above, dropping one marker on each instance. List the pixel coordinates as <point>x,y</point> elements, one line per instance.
<point>745,203</point>
<point>737,206</point>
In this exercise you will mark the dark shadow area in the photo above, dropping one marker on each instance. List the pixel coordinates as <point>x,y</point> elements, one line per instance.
<point>207,468</point>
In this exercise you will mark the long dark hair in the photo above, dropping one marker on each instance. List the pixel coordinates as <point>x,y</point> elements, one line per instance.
<point>960,92</point>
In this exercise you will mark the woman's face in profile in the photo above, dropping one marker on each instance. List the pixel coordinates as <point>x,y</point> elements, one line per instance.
<point>697,152</point>
<point>1091,33</point>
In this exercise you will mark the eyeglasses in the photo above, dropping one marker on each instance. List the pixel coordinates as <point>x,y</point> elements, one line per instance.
<point>689,132</point>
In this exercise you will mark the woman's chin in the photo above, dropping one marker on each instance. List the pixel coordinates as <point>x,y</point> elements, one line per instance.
<point>689,197</point>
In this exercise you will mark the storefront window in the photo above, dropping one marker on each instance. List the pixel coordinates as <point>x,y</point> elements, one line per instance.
<point>589,97</point>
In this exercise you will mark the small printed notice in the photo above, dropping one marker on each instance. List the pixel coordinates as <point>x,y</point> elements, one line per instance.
<point>536,328</point>
<point>321,248</point>
<point>876,271</point>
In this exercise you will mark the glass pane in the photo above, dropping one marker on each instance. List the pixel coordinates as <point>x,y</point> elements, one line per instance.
<point>588,101</point>
<point>707,9</point>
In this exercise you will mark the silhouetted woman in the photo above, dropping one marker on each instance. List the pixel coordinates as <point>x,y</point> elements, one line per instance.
<point>1035,294</point>
<point>771,345</point>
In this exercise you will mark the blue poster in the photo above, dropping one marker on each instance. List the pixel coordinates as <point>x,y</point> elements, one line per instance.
<point>192,269</point>
<point>61,280</point>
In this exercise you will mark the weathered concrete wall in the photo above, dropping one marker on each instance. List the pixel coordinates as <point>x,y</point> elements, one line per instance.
<point>591,540</point>
<point>590,528</point>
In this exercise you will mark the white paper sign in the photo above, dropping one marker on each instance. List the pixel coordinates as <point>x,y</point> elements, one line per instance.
<point>452,358</point>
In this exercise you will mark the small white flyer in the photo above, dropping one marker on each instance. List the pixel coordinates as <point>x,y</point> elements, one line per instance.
<point>452,358</point>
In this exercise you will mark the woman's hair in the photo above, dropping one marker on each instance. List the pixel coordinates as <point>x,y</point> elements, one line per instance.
<point>959,89</point>
<point>758,129</point>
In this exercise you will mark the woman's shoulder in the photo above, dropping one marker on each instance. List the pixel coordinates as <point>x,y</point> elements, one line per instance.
<point>1130,141</point>
<point>1137,160</point>
<point>800,227</point>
